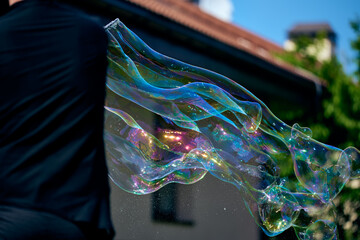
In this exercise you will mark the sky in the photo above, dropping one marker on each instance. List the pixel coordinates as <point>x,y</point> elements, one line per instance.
<point>272,19</point>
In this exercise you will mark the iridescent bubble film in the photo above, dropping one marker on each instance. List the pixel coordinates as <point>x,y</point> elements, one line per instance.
<point>167,121</point>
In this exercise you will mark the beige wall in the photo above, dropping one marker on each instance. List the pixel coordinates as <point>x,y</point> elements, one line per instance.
<point>216,207</point>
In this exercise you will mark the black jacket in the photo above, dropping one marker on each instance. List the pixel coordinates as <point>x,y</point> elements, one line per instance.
<point>52,89</point>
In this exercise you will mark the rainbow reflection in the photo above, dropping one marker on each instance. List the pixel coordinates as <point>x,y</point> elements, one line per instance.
<point>167,121</point>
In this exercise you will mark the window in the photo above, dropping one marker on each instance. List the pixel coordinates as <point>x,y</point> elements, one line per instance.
<point>171,205</point>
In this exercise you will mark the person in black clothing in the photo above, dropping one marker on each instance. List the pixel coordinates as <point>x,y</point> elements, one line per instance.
<point>53,175</point>
<point>4,6</point>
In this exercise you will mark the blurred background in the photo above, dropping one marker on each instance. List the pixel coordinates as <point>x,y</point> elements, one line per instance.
<point>301,58</point>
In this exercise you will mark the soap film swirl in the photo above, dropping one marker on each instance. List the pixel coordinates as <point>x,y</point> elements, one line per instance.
<point>169,122</point>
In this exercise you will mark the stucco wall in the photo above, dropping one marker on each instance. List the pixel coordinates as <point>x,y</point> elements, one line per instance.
<point>217,212</point>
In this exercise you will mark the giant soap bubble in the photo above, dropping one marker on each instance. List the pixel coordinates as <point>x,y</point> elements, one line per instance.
<point>169,122</point>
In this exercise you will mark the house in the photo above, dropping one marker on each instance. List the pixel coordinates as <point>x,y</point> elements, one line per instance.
<point>210,209</point>
<point>323,49</point>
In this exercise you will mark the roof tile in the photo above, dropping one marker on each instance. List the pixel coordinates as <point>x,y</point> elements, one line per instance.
<point>190,15</point>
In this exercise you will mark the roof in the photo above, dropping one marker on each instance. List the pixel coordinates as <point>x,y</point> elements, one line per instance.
<point>304,28</point>
<point>191,16</point>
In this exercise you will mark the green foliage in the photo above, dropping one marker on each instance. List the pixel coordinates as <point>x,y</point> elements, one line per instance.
<point>338,123</point>
<point>355,44</point>
<point>305,53</point>
<point>341,101</point>
<point>342,105</point>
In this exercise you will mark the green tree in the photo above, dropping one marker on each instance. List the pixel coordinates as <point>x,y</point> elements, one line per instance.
<point>341,101</point>
<point>338,123</point>
<point>355,44</point>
